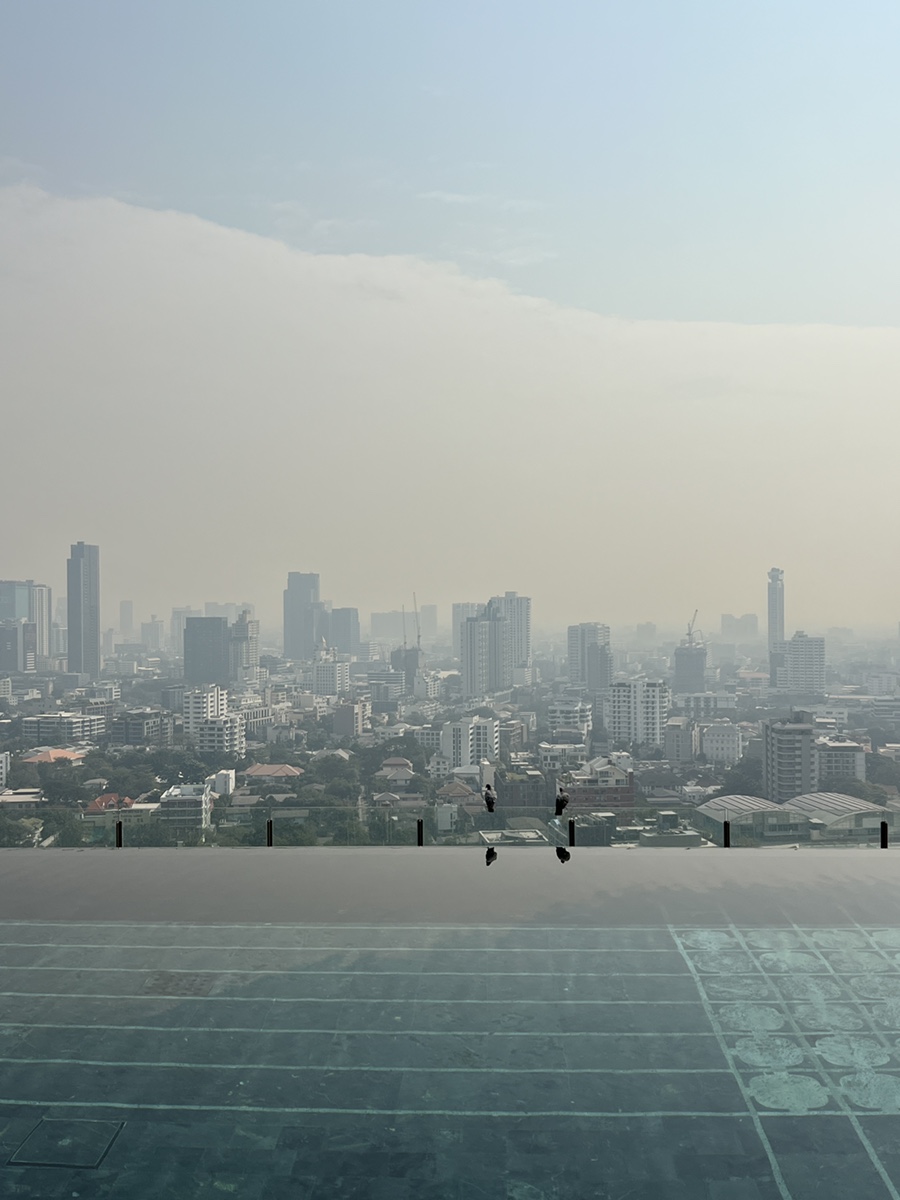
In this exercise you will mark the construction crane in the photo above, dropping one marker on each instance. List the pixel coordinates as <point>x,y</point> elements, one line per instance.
<point>418,629</point>
<point>690,628</point>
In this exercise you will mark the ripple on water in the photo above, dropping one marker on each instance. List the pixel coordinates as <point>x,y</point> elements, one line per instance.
<point>773,939</point>
<point>839,939</point>
<point>709,939</point>
<point>844,1050</point>
<point>746,987</point>
<point>792,1093</point>
<point>751,1016</point>
<point>764,1051</point>
<point>791,961</point>
<point>828,1016</point>
<point>887,937</point>
<point>851,962</point>
<point>724,963</point>
<point>809,988</point>
<point>871,1090</point>
<point>877,987</point>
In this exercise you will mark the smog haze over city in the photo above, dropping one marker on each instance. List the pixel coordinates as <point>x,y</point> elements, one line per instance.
<point>594,302</point>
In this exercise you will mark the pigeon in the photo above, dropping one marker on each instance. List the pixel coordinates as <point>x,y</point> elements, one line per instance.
<point>563,854</point>
<point>491,856</point>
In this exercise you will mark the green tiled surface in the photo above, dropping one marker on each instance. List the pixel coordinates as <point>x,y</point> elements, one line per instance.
<point>532,1063</point>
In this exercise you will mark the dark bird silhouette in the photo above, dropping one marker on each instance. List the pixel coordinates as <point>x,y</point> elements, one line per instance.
<point>490,797</point>
<point>491,856</point>
<point>562,802</point>
<point>563,854</point>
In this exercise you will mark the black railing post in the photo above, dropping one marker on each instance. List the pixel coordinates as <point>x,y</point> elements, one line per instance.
<point>884,835</point>
<point>420,832</point>
<point>726,834</point>
<point>270,832</point>
<point>118,835</point>
<point>571,831</point>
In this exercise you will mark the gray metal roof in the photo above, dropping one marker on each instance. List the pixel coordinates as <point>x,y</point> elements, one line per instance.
<point>724,807</point>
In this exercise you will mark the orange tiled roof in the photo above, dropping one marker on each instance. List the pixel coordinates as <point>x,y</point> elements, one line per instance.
<point>50,756</point>
<point>111,800</point>
<point>273,771</point>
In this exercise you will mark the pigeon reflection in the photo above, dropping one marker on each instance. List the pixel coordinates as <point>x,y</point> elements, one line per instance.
<point>491,856</point>
<point>563,854</point>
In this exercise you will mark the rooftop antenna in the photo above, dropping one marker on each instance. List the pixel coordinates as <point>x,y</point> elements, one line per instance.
<point>418,628</point>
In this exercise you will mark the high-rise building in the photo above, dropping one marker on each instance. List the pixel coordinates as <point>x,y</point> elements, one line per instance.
<point>126,617</point>
<point>466,742</point>
<point>580,640</point>
<point>18,644</point>
<point>331,678</point>
<point>83,602</point>
<point>739,629</point>
<point>207,651</point>
<point>428,615</point>
<point>244,649</point>
<point>790,766</point>
<point>635,712</point>
<point>486,653</point>
<point>25,600</point>
<point>303,615</point>
<point>176,628</point>
<point>153,633</point>
<point>516,610</point>
<point>344,630</point>
<point>689,674</point>
<point>599,668</point>
<point>460,613</point>
<point>805,664</point>
<point>775,608</point>
<point>200,705</point>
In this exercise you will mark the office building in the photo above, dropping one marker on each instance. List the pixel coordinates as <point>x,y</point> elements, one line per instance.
<point>581,638</point>
<point>689,674</point>
<point>153,633</point>
<point>428,616</point>
<point>62,728</point>
<point>83,610</point>
<point>486,654</point>
<point>303,616</point>
<point>331,678</point>
<point>467,742</point>
<point>207,651</point>
<point>202,704</point>
<point>143,727</point>
<point>344,630</point>
<point>459,614</point>
<point>176,628</point>
<point>805,664</point>
<point>739,629</point>
<point>18,647</point>
<point>244,649</point>
<point>126,617</point>
<point>635,712</point>
<point>516,611</point>
<point>775,608</point>
<point>790,766</point>
<point>722,743</point>
<point>840,757</point>
<point>25,600</point>
<point>682,740</point>
<point>222,735</point>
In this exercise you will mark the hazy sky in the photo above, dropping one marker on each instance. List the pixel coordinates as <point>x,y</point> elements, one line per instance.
<point>593,301</point>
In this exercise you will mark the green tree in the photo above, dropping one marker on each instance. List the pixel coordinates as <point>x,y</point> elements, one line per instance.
<point>12,833</point>
<point>743,779</point>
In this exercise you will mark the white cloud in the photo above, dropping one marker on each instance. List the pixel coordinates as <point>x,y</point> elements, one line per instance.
<point>216,409</point>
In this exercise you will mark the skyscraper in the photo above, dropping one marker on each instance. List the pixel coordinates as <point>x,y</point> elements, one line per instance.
<point>790,766</point>
<point>25,600</point>
<point>345,630</point>
<point>303,615</point>
<point>516,610</point>
<point>580,639</point>
<point>486,653</point>
<point>244,649</point>
<point>83,609</point>
<point>459,614</point>
<point>776,608</point>
<point>207,651</point>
